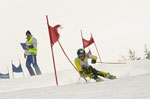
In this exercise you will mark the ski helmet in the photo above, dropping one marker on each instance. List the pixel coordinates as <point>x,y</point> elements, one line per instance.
<point>81,53</point>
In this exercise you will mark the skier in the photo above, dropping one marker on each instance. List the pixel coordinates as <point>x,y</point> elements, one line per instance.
<point>30,53</point>
<point>86,70</point>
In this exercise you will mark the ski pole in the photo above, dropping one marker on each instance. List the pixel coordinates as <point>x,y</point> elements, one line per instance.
<point>79,79</point>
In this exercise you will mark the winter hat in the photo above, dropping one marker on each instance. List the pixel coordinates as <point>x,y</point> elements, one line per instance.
<point>28,32</point>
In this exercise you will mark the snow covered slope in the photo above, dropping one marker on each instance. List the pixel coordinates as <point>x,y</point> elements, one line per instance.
<point>127,88</point>
<point>133,83</point>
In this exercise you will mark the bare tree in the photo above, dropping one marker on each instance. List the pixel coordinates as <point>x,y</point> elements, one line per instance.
<point>132,55</point>
<point>147,52</point>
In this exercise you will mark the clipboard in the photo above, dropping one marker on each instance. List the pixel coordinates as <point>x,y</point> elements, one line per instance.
<point>24,46</point>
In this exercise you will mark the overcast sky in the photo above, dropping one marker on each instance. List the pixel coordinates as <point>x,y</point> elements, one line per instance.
<point>116,25</point>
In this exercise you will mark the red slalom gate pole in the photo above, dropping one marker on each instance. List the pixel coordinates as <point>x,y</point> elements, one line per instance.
<point>68,58</point>
<point>97,50</point>
<point>54,67</point>
<point>52,53</point>
<point>82,38</point>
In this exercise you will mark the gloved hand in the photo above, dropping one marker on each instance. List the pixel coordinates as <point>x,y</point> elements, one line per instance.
<point>81,74</point>
<point>93,61</point>
<point>28,47</point>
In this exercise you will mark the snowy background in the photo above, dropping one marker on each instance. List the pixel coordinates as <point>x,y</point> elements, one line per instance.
<point>116,25</point>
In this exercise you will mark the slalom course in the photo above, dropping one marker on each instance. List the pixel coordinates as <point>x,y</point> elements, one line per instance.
<point>133,83</point>
<point>122,71</point>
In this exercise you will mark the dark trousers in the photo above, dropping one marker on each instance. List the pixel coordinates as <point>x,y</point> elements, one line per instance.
<point>31,59</point>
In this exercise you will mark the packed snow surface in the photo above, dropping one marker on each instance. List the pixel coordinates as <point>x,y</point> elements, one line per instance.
<point>133,83</point>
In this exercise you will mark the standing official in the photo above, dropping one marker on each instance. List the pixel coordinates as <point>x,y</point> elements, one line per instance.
<point>31,53</point>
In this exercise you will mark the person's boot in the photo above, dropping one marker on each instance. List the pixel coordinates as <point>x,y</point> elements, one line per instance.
<point>109,76</point>
<point>32,74</point>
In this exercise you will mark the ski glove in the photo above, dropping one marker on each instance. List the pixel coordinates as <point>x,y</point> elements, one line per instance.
<point>82,74</point>
<point>93,61</point>
<point>28,47</point>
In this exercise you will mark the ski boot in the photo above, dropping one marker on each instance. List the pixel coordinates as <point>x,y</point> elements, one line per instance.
<point>111,77</point>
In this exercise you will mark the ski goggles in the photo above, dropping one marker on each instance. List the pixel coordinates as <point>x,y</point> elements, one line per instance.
<point>81,55</point>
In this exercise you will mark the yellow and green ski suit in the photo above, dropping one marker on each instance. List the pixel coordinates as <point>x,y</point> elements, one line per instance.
<point>86,70</point>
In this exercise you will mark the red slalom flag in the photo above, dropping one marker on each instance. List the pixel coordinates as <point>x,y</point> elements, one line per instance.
<point>54,36</point>
<point>53,33</point>
<point>87,43</point>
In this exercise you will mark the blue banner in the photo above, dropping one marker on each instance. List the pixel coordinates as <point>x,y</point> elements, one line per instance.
<point>17,69</point>
<point>4,76</point>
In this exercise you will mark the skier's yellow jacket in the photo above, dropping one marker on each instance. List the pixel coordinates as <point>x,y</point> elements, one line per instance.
<point>79,63</point>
